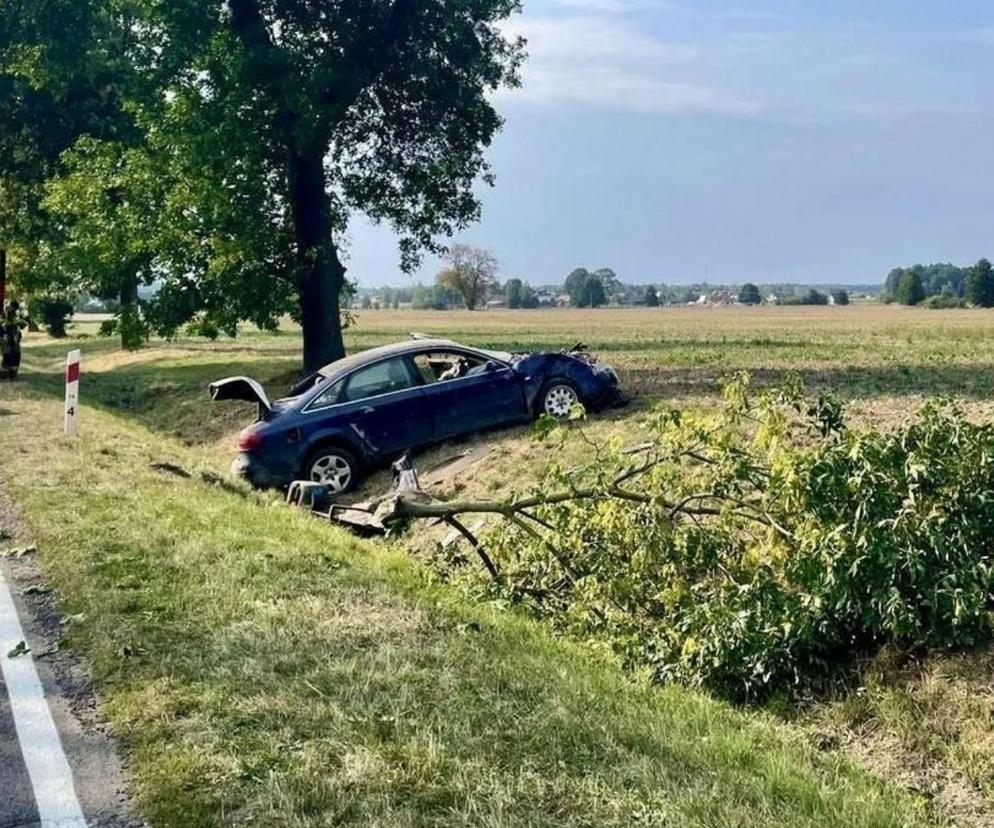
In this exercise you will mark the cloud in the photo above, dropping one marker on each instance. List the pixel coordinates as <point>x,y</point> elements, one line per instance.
<point>620,89</point>
<point>586,38</point>
<point>595,59</point>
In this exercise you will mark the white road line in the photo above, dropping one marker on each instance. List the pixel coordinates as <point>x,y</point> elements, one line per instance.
<point>48,768</point>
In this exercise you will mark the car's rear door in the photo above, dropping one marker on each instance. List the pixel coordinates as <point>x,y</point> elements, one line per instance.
<point>487,394</point>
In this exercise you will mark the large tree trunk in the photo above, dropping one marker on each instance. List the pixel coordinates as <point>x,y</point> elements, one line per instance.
<point>320,273</point>
<point>128,322</point>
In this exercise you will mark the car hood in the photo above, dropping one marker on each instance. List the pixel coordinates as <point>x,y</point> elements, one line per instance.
<point>240,388</point>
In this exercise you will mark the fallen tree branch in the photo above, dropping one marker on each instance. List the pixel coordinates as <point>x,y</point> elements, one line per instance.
<point>487,561</point>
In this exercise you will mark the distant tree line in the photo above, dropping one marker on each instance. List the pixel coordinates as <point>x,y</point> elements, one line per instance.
<point>470,280</point>
<point>941,285</point>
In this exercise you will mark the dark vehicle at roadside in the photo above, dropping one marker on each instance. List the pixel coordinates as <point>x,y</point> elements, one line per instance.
<point>366,409</point>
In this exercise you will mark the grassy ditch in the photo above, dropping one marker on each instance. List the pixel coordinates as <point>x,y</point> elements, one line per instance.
<point>263,668</point>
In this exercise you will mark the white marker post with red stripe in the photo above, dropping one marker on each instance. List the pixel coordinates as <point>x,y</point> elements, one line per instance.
<point>72,393</point>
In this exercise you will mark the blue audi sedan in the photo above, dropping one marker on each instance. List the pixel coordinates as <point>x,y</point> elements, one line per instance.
<point>364,410</point>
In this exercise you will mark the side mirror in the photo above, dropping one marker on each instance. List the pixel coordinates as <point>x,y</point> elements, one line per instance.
<point>489,366</point>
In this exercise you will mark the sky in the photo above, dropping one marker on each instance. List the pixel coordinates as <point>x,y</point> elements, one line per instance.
<point>678,141</point>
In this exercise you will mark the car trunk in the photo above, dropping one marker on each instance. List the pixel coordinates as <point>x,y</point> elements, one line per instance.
<point>242,388</point>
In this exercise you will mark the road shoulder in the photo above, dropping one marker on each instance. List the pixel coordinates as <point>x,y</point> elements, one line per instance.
<point>90,750</point>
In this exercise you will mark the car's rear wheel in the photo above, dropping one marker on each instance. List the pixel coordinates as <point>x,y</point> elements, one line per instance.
<point>335,467</point>
<point>557,399</point>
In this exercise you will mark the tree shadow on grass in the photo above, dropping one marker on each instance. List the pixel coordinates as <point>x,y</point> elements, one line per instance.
<point>170,398</point>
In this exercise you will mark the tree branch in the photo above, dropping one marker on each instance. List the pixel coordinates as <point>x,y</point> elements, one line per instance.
<point>487,562</point>
<point>376,54</point>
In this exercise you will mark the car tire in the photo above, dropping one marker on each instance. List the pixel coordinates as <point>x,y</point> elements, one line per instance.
<point>335,467</point>
<point>557,398</point>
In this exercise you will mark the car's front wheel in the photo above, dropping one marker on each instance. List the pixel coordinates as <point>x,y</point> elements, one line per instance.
<point>335,467</point>
<point>558,398</point>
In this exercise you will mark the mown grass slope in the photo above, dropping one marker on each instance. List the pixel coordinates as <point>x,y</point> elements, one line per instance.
<point>264,668</point>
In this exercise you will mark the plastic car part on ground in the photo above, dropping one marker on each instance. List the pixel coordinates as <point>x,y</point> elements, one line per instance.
<point>373,517</point>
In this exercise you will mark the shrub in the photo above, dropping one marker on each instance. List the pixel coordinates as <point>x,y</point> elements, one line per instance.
<point>809,297</point>
<point>943,301</point>
<point>205,327</point>
<point>764,546</point>
<point>130,324</point>
<point>53,312</point>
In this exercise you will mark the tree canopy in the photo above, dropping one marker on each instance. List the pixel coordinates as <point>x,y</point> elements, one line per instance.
<point>749,295</point>
<point>586,289</point>
<point>62,79</point>
<point>529,298</point>
<point>980,285</point>
<point>513,289</point>
<point>269,124</point>
<point>471,273</point>
<point>910,290</point>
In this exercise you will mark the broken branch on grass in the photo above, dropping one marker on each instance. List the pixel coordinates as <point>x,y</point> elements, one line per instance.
<point>487,561</point>
<point>408,508</point>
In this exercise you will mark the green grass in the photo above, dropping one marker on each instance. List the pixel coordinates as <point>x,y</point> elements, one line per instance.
<point>264,668</point>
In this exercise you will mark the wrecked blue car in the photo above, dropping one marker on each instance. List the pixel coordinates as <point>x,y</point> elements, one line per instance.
<point>364,410</point>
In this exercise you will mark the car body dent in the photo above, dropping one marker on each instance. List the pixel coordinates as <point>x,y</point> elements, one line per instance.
<point>503,391</point>
<point>537,370</point>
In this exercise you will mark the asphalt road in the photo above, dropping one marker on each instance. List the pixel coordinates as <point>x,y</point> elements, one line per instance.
<point>17,802</point>
<point>58,766</point>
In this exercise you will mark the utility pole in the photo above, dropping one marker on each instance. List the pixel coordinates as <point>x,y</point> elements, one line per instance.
<point>3,277</point>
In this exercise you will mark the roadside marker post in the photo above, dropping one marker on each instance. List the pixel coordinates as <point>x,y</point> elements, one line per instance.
<point>72,394</point>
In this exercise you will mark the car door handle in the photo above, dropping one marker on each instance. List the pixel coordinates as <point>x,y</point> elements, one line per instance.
<point>367,409</point>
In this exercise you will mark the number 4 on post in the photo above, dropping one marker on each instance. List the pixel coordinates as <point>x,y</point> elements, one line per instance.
<point>72,394</point>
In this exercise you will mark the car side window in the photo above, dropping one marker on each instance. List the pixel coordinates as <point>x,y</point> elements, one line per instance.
<point>331,395</point>
<point>439,366</point>
<point>381,378</point>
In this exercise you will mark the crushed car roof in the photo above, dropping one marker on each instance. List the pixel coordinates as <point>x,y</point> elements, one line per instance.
<point>383,351</point>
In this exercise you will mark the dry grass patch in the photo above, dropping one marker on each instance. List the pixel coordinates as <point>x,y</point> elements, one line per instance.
<point>928,725</point>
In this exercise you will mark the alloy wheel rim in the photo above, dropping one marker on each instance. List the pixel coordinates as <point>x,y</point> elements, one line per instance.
<point>332,470</point>
<point>559,400</point>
